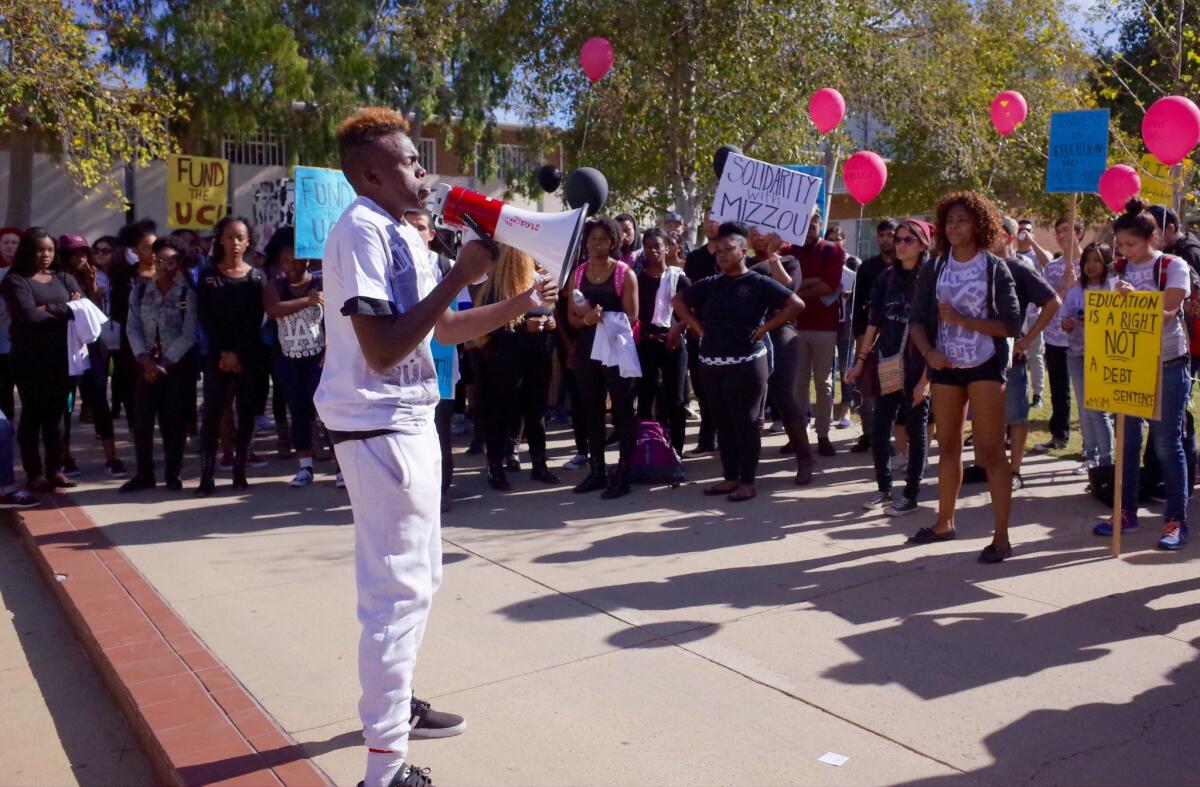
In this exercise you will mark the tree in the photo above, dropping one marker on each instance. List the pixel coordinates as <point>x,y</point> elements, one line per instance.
<point>56,87</point>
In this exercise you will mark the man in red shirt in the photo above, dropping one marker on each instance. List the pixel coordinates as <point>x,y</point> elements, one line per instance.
<point>820,287</point>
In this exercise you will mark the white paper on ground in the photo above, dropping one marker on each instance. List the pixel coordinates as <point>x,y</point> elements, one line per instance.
<point>833,759</point>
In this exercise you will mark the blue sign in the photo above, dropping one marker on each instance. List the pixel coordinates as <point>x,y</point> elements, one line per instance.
<point>321,197</point>
<point>1078,151</point>
<point>817,171</point>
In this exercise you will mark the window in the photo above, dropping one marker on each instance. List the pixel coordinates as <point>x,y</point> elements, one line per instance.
<point>427,152</point>
<point>512,161</point>
<point>263,149</point>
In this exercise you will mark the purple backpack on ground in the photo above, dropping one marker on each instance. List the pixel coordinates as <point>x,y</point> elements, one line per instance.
<point>654,460</point>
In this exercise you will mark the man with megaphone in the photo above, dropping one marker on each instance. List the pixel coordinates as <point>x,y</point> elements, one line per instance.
<point>377,397</point>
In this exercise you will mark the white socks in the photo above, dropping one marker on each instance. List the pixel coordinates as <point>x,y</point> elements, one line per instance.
<point>382,766</point>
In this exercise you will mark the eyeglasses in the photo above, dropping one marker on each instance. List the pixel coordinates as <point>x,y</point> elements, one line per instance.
<point>905,239</point>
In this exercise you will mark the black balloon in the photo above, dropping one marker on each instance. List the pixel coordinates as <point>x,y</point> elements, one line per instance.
<point>586,186</point>
<point>722,154</point>
<point>549,178</point>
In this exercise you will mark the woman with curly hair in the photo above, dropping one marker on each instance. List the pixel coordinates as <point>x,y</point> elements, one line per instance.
<point>516,370</point>
<point>606,285</point>
<point>964,311</point>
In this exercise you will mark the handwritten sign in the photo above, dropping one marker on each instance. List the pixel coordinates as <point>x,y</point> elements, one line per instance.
<point>1123,341</point>
<point>197,191</point>
<point>767,196</point>
<point>321,197</point>
<point>1078,151</point>
<point>1156,184</point>
<point>274,207</point>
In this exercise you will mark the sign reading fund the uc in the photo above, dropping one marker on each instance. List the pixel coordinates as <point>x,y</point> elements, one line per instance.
<point>766,196</point>
<point>321,197</point>
<point>197,191</point>
<point>1123,341</point>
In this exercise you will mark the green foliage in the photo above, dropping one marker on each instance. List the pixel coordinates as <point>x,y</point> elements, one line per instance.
<point>55,84</point>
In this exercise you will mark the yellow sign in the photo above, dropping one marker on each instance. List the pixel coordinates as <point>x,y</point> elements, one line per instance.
<point>1156,186</point>
<point>197,191</point>
<point>1123,341</point>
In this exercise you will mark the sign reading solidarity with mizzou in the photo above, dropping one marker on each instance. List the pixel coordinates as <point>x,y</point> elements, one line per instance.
<point>766,196</point>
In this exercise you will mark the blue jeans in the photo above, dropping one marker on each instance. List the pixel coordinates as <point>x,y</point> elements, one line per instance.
<point>7,478</point>
<point>1096,425</point>
<point>1167,436</point>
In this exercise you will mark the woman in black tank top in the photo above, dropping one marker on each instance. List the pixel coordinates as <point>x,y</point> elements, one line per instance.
<point>603,292</point>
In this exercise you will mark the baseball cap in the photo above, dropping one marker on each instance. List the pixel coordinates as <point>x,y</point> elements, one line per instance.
<point>1010,225</point>
<point>72,242</point>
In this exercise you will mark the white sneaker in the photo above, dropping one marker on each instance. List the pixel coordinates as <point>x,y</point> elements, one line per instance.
<point>775,428</point>
<point>576,462</point>
<point>303,478</point>
<point>842,423</point>
<point>340,483</point>
<point>1084,467</point>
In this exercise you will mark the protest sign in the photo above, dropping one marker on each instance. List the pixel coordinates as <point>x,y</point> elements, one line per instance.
<point>274,207</point>
<point>1078,151</point>
<point>1156,184</point>
<point>321,197</point>
<point>1123,340</point>
<point>197,191</point>
<point>766,196</point>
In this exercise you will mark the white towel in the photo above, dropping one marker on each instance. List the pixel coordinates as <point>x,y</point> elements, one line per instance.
<point>662,299</point>
<point>613,344</point>
<point>82,331</point>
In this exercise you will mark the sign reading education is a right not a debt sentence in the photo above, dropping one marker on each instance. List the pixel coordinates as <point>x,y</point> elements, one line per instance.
<point>1123,341</point>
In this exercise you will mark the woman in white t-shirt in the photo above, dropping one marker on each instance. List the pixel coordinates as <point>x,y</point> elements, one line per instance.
<point>1141,267</point>
<point>964,311</point>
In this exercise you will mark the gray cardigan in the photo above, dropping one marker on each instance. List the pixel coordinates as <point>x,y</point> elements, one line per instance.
<point>1002,301</point>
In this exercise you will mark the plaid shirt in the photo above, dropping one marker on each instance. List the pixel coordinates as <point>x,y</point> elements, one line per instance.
<point>168,321</point>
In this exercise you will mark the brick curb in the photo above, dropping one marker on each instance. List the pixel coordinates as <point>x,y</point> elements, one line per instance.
<point>196,723</point>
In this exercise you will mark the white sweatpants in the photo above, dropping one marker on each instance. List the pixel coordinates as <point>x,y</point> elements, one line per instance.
<point>395,492</point>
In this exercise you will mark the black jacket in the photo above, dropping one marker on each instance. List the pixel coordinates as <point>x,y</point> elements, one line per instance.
<point>1187,248</point>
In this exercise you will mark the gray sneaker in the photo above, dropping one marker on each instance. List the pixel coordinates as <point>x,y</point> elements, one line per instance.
<point>905,507</point>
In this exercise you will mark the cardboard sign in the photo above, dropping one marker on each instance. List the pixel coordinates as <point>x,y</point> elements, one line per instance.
<point>321,197</point>
<point>197,191</point>
<point>1156,184</point>
<point>274,207</point>
<point>766,196</point>
<point>1123,341</point>
<point>1078,151</point>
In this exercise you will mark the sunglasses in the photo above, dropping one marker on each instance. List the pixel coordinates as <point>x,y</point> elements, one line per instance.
<point>905,239</point>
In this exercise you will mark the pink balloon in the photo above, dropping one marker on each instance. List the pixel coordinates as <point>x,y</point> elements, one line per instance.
<point>1119,184</point>
<point>865,175</point>
<point>826,109</point>
<point>596,56</point>
<point>1171,128</point>
<point>1009,111</point>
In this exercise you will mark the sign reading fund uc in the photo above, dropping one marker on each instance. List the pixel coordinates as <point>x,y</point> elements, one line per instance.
<point>321,197</point>
<point>1122,341</point>
<point>197,191</point>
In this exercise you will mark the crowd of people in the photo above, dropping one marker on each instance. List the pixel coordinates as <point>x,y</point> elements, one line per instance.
<point>963,315</point>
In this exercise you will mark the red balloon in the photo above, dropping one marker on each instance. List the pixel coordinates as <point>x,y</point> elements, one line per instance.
<point>865,175</point>
<point>1171,128</point>
<point>1119,184</point>
<point>596,56</point>
<point>1009,110</point>
<point>826,109</point>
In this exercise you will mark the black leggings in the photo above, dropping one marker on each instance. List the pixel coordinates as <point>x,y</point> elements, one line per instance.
<point>515,387</point>
<point>296,379</point>
<point>443,418</point>
<point>93,391</point>
<point>7,402</point>
<point>165,400</point>
<point>595,380</point>
<point>734,393</point>
<point>916,421</point>
<point>578,421</point>
<point>43,398</point>
<point>664,374</point>
<point>707,416</point>
<point>219,388</point>
<point>1060,392</point>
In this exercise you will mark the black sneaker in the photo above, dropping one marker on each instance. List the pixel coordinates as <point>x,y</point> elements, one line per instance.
<point>116,469</point>
<point>429,723</point>
<point>18,498</point>
<point>136,484</point>
<point>409,776</point>
<point>904,507</point>
<point>825,448</point>
<point>70,469</point>
<point>862,446</point>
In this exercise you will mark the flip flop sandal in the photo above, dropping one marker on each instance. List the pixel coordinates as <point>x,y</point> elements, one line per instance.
<point>926,535</point>
<point>994,554</point>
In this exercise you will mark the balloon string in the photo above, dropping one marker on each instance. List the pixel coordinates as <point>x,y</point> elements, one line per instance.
<point>587,114</point>
<point>999,153</point>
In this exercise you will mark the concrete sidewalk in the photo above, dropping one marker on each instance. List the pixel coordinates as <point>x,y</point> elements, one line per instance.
<point>58,725</point>
<point>667,638</point>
